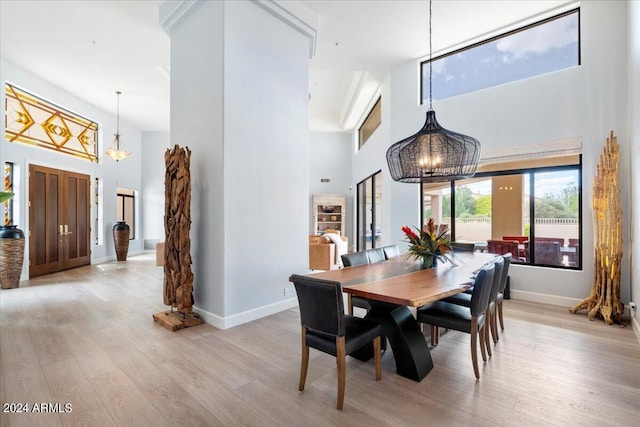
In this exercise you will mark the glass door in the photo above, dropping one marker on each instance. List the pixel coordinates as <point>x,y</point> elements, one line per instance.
<point>369,212</point>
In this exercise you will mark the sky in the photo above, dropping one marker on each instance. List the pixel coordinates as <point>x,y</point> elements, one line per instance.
<point>535,51</point>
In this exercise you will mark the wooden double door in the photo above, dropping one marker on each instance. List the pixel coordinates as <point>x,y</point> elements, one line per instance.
<point>59,220</point>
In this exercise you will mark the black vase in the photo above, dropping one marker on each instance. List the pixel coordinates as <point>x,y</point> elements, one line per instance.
<point>11,256</point>
<point>121,240</point>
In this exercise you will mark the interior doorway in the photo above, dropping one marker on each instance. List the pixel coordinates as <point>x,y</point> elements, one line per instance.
<point>59,220</point>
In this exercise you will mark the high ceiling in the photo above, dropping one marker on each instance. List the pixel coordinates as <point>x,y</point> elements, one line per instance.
<point>93,48</point>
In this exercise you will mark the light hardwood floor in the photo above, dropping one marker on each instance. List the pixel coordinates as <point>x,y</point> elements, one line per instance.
<point>87,337</point>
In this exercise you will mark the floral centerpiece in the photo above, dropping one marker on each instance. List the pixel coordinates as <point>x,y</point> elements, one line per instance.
<point>429,244</point>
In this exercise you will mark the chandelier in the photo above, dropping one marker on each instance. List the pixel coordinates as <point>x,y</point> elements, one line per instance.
<point>117,151</point>
<point>433,154</point>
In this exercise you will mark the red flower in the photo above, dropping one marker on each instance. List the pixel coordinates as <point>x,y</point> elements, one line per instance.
<point>409,233</point>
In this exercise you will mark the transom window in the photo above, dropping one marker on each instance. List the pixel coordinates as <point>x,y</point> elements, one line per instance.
<point>370,124</point>
<point>32,120</point>
<point>544,47</point>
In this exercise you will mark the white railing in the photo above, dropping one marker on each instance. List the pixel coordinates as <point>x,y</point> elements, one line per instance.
<point>553,221</point>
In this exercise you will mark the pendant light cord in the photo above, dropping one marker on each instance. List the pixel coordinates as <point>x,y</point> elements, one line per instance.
<point>118,118</point>
<point>430,61</point>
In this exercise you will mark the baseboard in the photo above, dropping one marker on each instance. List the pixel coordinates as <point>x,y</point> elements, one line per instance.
<point>247,316</point>
<point>635,325</point>
<point>545,298</point>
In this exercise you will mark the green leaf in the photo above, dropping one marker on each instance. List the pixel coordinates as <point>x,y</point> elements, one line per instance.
<point>4,196</point>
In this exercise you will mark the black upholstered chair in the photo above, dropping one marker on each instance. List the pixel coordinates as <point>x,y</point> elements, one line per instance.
<point>493,298</point>
<point>349,260</point>
<point>471,320</point>
<point>375,255</point>
<point>391,251</point>
<point>503,285</point>
<point>464,299</point>
<point>325,327</point>
<point>354,258</point>
<point>463,246</point>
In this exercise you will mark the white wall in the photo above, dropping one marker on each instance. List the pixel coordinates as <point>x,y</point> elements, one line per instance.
<point>330,157</point>
<point>154,145</point>
<point>123,174</point>
<point>196,122</point>
<point>584,102</point>
<point>241,105</point>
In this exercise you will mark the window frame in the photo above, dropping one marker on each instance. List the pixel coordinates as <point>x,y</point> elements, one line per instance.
<point>377,109</point>
<point>132,223</point>
<point>544,21</point>
<point>532,217</point>
<point>9,186</point>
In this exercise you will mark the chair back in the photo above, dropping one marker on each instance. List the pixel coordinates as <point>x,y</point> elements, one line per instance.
<point>375,255</point>
<point>497,278</point>
<point>501,247</point>
<point>463,246</point>
<point>354,258</point>
<point>547,253</point>
<point>519,239</point>
<point>391,251</point>
<point>505,272</point>
<point>481,290</point>
<point>321,304</point>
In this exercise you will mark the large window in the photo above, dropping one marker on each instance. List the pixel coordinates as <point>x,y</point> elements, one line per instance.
<point>506,211</point>
<point>544,47</point>
<point>126,206</point>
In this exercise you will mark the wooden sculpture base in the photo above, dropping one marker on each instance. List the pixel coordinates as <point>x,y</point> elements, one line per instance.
<point>176,320</point>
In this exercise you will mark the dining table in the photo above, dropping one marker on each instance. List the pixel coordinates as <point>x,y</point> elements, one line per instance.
<point>392,286</point>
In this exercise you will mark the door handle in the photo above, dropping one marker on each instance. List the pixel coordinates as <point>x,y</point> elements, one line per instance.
<point>66,230</point>
<point>61,230</point>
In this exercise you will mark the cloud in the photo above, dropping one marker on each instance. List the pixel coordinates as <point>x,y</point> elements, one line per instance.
<point>439,66</point>
<point>540,39</point>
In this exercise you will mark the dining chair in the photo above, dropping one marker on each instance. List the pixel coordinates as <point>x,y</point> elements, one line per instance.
<point>349,260</point>
<point>375,255</point>
<point>325,327</point>
<point>354,258</point>
<point>464,299</point>
<point>502,247</point>
<point>463,246</point>
<point>391,251</point>
<point>502,269</point>
<point>471,320</point>
<point>547,253</point>
<point>503,285</point>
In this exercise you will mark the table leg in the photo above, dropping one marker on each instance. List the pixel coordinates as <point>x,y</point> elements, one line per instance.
<point>412,356</point>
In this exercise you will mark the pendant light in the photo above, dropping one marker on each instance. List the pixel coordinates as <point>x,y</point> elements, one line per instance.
<point>116,151</point>
<point>433,154</point>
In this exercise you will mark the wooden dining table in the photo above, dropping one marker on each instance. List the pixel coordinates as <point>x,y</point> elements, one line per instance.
<point>392,286</point>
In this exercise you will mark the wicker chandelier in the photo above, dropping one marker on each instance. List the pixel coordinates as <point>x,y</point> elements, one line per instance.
<point>117,151</point>
<point>433,154</point>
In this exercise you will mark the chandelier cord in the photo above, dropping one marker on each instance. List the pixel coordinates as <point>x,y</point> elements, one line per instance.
<point>430,61</point>
<point>118,118</point>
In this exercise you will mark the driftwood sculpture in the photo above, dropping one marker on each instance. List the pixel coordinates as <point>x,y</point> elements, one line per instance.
<point>604,299</point>
<point>178,277</point>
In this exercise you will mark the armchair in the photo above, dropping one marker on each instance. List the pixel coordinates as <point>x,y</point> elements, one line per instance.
<point>323,253</point>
